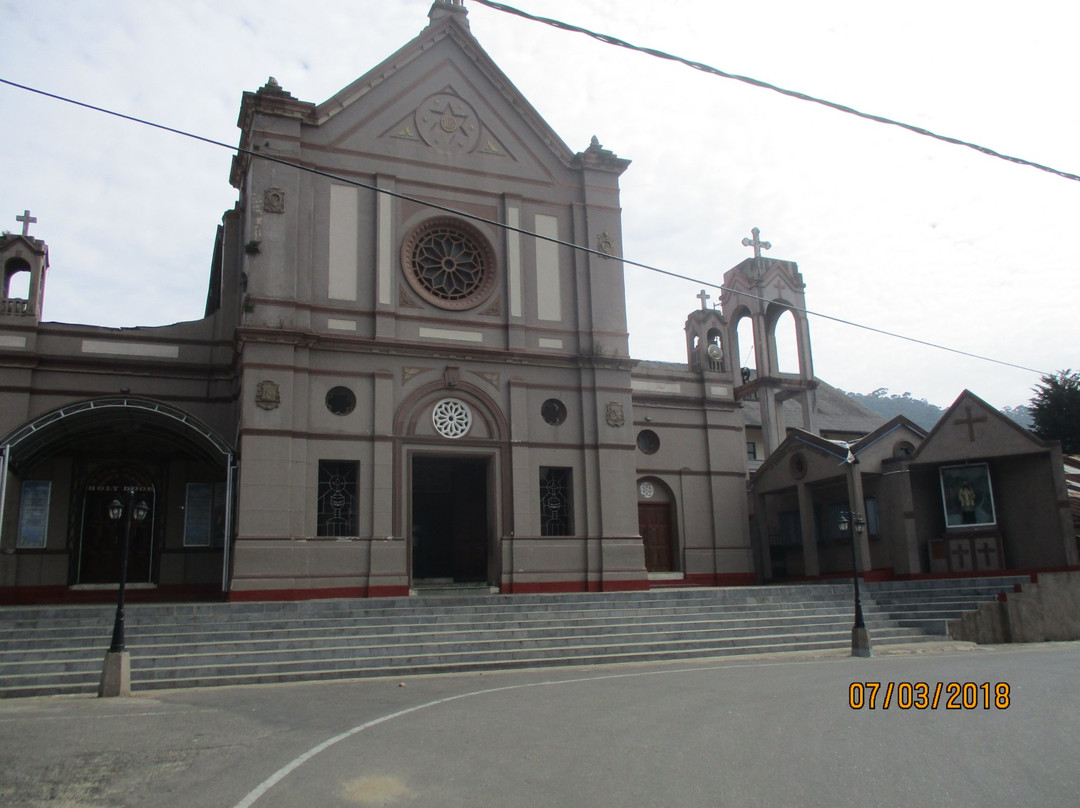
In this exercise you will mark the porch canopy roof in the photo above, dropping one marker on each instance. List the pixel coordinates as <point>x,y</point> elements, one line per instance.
<point>97,419</point>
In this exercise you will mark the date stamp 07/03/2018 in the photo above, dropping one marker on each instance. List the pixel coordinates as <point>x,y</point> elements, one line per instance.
<point>927,696</point>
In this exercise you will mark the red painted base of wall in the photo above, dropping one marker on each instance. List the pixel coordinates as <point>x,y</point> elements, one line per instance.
<point>55,595</point>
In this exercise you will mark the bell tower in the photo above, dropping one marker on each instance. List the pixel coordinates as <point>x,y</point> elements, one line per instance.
<point>763,289</point>
<point>24,260</point>
<point>706,332</point>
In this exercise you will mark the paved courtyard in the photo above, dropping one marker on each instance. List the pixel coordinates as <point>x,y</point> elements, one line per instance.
<point>754,731</point>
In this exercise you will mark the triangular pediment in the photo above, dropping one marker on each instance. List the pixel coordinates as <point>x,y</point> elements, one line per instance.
<point>972,429</point>
<point>441,99</point>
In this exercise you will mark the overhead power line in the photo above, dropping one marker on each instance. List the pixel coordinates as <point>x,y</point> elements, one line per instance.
<point>659,54</point>
<point>491,222</point>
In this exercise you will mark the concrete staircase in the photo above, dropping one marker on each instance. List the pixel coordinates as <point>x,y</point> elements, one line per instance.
<point>929,605</point>
<point>59,649</point>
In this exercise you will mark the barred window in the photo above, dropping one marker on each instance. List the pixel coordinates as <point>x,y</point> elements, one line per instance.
<point>556,517</point>
<point>336,513</point>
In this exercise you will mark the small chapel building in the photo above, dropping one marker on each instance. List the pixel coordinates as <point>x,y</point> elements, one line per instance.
<point>413,369</point>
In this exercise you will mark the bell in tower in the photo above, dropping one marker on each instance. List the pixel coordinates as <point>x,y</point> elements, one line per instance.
<point>705,329</point>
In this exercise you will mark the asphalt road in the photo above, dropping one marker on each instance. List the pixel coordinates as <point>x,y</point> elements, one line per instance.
<point>754,731</point>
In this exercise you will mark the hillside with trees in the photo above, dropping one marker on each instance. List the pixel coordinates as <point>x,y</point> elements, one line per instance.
<point>922,412</point>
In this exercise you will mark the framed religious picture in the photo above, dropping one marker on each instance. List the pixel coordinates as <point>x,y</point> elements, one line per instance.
<point>967,496</point>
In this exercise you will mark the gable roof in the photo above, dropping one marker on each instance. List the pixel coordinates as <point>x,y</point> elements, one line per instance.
<point>971,428</point>
<point>448,23</point>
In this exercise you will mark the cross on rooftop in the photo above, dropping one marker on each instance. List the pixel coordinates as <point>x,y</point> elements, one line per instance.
<point>703,296</point>
<point>756,242</point>
<point>26,220</point>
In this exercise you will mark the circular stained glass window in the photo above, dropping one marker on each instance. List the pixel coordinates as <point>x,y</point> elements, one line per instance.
<point>452,418</point>
<point>648,441</point>
<point>340,400</point>
<point>449,263</point>
<point>553,411</point>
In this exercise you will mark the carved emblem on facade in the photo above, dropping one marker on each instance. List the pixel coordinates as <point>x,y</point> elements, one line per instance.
<point>447,123</point>
<point>405,299</point>
<point>494,310</point>
<point>274,200</point>
<point>408,373</point>
<point>605,243</point>
<point>615,416</point>
<point>490,378</point>
<point>268,395</point>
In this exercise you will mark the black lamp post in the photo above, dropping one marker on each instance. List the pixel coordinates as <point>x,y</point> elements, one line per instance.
<point>136,511</point>
<point>860,635</point>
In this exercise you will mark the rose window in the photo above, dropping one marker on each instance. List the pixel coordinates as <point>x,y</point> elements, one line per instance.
<point>451,418</point>
<point>449,263</point>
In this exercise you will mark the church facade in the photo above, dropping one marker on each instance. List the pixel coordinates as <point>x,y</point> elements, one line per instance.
<point>413,369</point>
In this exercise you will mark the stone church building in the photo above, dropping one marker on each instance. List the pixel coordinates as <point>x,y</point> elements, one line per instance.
<point>413,368</point>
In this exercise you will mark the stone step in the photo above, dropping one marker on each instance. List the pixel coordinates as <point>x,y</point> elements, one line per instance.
<point>44,636</point>
<point>60,649</point>
<point>362,639</point>
<point>252,669</point>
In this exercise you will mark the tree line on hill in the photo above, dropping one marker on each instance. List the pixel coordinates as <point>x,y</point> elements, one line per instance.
<point>1052,414</point>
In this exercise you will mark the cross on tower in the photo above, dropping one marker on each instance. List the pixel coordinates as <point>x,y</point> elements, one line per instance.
<point>970,422</point>
<point>756,242</point>
<point>703,296</point>
<point>26,220</point>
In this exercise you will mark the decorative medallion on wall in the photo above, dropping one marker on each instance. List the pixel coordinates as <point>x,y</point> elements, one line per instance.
<point>448,124</point>
<point>490,378</point>
<point>407,373</point>
<point>274,200</point>
<point>605,244</point>
<point>449,263</point>
<point>646,490</point>
<point>268,395</point>
<point>452,418</point>
<point>615,416</point>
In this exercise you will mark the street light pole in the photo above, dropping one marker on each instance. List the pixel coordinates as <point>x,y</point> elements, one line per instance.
<point>116,675</point>
<point>860,635</point>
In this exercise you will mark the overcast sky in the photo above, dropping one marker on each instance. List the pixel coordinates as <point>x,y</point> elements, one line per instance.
<point>889,229</point>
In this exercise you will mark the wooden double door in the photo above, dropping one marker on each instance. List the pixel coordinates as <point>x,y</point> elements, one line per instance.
<point>655,526</point>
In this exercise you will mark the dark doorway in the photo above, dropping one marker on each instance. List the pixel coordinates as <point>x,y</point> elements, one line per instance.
<point>101,538</point>
<point>654,522</point>
<point>450,519</point>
